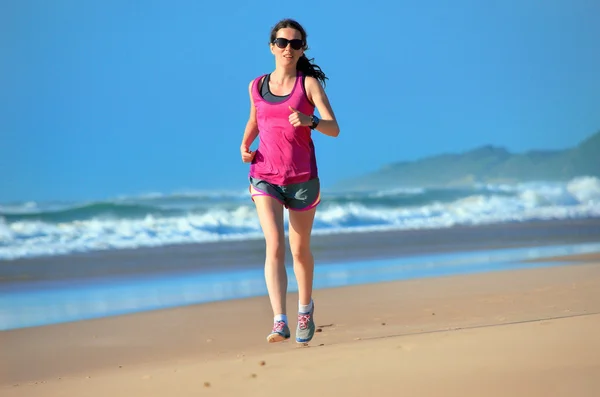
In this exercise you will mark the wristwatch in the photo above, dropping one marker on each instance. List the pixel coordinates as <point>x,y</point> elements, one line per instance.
<point>315,121</point>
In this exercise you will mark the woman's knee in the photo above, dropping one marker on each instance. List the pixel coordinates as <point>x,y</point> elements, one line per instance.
<point>300,252</point>
<point>275,249</point>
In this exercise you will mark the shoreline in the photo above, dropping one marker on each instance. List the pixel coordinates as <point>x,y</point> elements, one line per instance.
<point>42,303</point>
<point>584,258</point>
<point>327,249</point>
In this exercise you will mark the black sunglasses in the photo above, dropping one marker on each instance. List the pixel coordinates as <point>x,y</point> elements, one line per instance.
<point>295,43</point>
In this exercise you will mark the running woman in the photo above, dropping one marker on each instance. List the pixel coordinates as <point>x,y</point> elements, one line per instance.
<point>283,170</point>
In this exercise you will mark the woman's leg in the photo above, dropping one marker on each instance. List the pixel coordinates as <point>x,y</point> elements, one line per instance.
<point>270,215</point>
<point>301,223</point>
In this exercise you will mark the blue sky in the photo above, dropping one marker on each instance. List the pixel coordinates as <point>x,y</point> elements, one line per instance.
<point>107,98</point>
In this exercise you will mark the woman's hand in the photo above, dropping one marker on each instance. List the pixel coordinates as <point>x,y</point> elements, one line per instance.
<point>247,155</point>
<point>298,118</point>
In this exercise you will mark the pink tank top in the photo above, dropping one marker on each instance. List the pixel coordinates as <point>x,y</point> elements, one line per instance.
<point>285,154</point>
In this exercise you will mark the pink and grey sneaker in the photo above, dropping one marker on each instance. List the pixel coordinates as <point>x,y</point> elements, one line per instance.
<point>306,326</point>
<point>280,332</point>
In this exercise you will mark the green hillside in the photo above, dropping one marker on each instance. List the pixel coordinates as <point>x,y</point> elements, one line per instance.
<point>487,164</point>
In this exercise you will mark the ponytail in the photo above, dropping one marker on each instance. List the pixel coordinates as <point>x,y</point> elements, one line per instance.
<point>311,69</point>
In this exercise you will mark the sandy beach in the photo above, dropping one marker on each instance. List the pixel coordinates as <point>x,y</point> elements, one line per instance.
<point>451,208</point>
<point>530,332</point>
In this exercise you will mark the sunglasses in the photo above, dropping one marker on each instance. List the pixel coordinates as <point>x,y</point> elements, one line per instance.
<point>282,43</point>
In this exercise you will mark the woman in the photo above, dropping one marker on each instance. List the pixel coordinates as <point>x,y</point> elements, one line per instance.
<point>283,170</point>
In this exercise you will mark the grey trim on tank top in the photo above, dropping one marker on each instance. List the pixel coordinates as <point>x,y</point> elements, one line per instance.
<point>265,92</point>
<point>268,96</point>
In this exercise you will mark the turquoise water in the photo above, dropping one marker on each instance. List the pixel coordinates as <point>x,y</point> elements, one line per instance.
<point>43,304</point>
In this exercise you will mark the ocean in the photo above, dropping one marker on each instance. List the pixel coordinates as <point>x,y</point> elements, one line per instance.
<point>40,229</point>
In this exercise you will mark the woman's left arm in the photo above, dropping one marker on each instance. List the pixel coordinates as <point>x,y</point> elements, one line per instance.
<point>328,124</point>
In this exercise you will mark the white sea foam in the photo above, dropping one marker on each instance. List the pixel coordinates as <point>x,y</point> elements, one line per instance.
<point>586,190</point>
<point>230,218</point>
<point>398,191</point>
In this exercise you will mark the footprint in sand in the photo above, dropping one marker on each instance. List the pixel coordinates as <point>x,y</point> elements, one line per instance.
<point>330,326</point>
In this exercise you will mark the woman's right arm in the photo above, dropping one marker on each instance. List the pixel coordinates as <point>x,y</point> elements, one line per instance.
<point>251,131</point>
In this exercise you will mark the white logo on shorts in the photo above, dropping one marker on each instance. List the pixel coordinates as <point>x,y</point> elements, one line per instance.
<point>301,194</point>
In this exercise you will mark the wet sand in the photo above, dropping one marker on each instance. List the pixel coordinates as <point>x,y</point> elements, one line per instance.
<point>589,257</point>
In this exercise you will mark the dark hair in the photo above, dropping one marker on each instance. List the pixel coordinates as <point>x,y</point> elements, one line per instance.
<point>304,65</point>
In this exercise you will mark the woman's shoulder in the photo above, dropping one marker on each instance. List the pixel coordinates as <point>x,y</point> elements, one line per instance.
<point>255,80</point>
<point>311,83</point>
<point>309,78</point>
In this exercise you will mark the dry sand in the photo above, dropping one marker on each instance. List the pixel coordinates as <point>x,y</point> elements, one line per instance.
<point>533,332</point>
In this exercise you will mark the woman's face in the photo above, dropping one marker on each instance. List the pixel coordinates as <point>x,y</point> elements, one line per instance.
<point>290,38</point>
